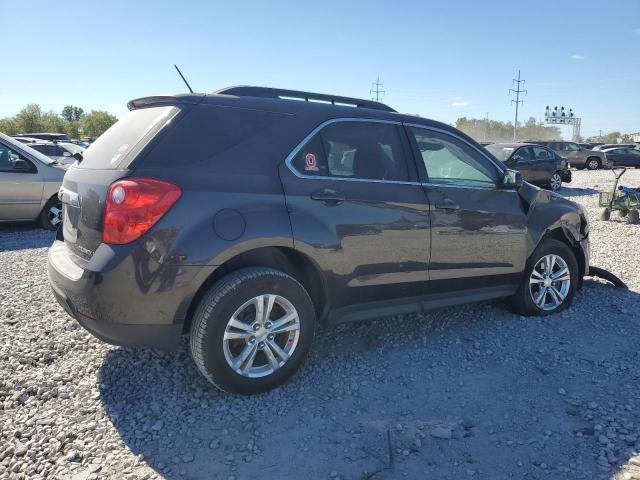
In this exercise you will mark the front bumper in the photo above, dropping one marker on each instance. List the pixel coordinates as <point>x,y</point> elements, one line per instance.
<point>124,297</point>
<point>566,175</point>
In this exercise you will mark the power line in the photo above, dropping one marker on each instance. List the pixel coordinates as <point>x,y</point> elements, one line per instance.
<point>376,92</point>
<point>517,82</point>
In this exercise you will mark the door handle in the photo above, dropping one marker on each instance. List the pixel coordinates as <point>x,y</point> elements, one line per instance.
<point>328,196</point>
<point>447,205</point>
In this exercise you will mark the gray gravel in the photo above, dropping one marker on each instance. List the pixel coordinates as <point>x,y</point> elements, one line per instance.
<point>467,392</point>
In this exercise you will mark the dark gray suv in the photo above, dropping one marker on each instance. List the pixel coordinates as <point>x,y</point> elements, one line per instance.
<point>246,217</point>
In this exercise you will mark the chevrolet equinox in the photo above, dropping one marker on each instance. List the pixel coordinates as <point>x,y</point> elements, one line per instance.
<point>246,217</point>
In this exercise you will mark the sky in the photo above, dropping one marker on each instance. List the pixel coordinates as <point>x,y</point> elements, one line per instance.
<point>441,60</point>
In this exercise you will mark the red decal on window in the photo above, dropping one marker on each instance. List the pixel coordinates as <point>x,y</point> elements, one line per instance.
<point>311,164</point>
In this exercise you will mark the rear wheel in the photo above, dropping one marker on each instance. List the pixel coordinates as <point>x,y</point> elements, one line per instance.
<point>605,215</point>
<point>633,217</point>
<point>252,330</point>
<point>555,182</point>
<point>550,280</point>
<point>593,163</point>
<point>51,215</point>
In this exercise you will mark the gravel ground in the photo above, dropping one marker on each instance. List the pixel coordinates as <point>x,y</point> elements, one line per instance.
<point>466,392</point>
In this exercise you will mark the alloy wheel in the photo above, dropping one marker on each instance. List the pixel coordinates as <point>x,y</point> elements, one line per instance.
<point>593,164</point>
<point>549,282</point>
<point>261,335</point>
<point>555,182</point>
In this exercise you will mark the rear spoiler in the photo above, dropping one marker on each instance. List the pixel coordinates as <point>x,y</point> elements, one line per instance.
<point>181,99</point>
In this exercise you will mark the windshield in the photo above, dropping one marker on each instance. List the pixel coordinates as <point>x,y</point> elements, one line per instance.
<point>501,152</point>
<point>22,148</point>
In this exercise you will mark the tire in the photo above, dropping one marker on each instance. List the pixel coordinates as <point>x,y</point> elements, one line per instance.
<point>236,295</point>
<point>593,163</point>
<point>555,182</point>
<point>560,295</point>
<point>605,215</point>
<point>51,215</point>
<point>624,213</point>
<point>634,217</point>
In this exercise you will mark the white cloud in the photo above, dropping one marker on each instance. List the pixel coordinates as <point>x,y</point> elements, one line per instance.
<point>578,57</point>
<point>458,102</point>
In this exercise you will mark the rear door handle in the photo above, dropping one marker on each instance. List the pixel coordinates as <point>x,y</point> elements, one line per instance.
<point>328,196</point>
<point>447,205</point>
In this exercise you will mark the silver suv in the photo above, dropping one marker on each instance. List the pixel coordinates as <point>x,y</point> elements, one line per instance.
<point>578,156</point>
<point>29,184</point>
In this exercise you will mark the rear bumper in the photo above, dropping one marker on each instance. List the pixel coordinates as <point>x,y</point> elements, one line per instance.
<point>124,298</point>
<point>164,337</point>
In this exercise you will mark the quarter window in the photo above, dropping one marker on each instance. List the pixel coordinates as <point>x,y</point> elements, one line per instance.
<point>450,161</point>
<point>362,150</point>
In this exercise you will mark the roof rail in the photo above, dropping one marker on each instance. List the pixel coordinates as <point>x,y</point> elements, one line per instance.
<point>266,92</point>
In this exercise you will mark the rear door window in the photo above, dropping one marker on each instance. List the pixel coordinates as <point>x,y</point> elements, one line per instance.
<point>541,153</point>
<point>357,150</point>
<point>112,149</point>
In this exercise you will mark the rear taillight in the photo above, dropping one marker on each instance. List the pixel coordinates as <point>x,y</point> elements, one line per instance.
<point>134,205</point>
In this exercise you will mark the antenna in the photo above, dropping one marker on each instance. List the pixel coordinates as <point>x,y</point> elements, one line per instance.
<point>184,79</point>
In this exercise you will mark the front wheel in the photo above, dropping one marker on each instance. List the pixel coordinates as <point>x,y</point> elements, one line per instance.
<point>252,330</point>
<point>555,182</point>
<point>550,280</point>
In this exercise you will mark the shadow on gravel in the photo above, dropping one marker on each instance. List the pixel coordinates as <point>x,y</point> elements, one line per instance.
<point>20,236</point>
<point>472,391</point>
<point>576,192</point>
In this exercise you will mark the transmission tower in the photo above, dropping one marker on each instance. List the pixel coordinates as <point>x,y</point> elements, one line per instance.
<point>518,83</point>
<point>376,92</point>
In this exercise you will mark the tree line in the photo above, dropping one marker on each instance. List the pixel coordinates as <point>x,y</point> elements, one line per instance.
<point>483,130</point>
<point>73,121</point>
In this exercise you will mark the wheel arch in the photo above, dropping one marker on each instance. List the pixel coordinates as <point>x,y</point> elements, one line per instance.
<point>285,259</point>
<point>563,235</point>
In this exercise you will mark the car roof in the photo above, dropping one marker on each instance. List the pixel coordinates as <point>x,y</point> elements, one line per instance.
<point>318,106</point>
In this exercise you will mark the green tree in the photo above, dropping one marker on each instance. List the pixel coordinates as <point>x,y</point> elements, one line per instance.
<point>8,126</point>
<point>29,119</point>
<point>96,123</point>
<point>72,114</point>
<point>52,122</point>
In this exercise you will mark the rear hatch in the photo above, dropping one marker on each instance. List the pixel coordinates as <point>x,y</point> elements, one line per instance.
<point>111,157</point>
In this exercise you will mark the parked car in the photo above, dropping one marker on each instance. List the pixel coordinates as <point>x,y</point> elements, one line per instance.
<point>44,136</point>
<point>623,157</point>
<point>537,164</point>
<point>243,219</point>
<point>607,146</point>
<point>576,155</point>
<point>29,184</point>
<point>59,151</point>
<point>27,139</point>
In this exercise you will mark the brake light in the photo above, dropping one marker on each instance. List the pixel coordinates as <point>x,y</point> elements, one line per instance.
<point>134,205</point>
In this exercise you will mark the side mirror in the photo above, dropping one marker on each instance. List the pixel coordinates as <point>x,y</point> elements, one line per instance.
<point>78,156</point>
<point>22,166</point>
<point>512,180</point>
<point>66,154</point>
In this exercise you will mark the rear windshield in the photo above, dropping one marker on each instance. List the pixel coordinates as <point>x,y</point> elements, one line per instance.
<point>502,153</point>
<point>112,149</point>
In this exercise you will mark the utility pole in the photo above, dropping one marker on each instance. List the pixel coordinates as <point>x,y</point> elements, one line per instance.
<point>376,90</point>
<point>486,127</point>
<point>517,82</point>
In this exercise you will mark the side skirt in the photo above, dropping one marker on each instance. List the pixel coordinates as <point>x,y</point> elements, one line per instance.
<point>371,310</point>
